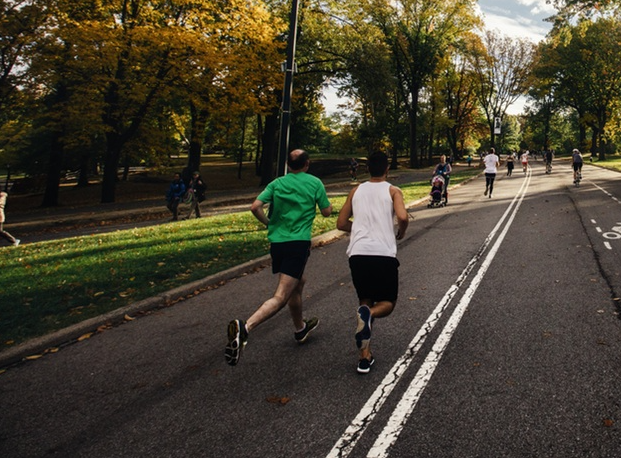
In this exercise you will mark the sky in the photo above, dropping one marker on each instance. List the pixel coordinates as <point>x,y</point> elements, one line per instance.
<point>513,18</point>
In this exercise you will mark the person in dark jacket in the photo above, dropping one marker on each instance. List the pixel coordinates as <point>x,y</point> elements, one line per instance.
<point>197,187</point>
<point>174,195</point>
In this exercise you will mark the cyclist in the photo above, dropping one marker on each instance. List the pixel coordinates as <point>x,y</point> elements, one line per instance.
<point>549,155</point>
<point>577,165</point>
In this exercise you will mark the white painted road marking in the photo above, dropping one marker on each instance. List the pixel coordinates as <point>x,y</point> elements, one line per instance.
<point>354,432</point>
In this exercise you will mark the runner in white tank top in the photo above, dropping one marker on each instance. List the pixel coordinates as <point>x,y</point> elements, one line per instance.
<point>369,215</point>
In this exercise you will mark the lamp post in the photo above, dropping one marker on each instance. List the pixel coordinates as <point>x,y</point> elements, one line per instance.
<point>285,113</point>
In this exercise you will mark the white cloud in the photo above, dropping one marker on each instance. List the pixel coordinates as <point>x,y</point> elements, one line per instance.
<point>538,7</point>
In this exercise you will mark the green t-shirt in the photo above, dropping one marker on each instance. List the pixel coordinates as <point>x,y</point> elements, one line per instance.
<point>293,199</point>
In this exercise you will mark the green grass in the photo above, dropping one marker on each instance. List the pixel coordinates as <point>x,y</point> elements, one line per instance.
<point>47,286</point>
<point>611,162</point>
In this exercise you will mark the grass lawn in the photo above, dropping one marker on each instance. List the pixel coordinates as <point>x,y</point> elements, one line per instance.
<point>611,162</point>
<point>47,286</point>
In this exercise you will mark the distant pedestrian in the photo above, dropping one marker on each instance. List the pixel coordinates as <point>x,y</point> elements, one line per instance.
<point>491,163</point>
<point>4,234</point>
<point>524,160</point>
<point>174,195</point>
<point>372,249</point>
<point>293,201</point>
<point>197,187</point>
<point>353,168</point>
<point>510,164</point>
<point>576,163</point>
<point>444,170</point>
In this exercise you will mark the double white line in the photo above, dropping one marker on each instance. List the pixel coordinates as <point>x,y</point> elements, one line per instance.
<point>406,405</point>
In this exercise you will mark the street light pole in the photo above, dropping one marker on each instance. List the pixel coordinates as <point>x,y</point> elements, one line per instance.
<point>285,114</point>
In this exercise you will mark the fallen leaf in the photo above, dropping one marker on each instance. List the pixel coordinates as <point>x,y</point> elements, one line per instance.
<point>98,293</point>
<point>608,422</point>
<point>33,357</point>
<point>128,318</point>
<point>278,400</point>
<point>85,336</point>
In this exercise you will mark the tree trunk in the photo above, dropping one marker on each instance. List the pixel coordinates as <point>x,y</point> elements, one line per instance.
<point>83,173</point>
<point>198,122</point>
<point>50,197</point>
<point>412,117</point>
<point>111,166</point>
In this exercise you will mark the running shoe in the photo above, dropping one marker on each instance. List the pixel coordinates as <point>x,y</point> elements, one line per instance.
<point>238,337</point>
<point>302,335</point>
<point>364,365</point>
<point>363,331</point>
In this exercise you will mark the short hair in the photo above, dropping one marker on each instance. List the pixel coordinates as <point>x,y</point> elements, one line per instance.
<point>377,164</point>
<point>297,159</point>
<point>492,150</point>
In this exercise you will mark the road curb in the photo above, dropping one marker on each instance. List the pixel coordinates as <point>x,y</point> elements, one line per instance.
<point>50,343</point>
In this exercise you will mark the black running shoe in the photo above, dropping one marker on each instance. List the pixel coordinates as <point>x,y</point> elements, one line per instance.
<point>364,365</point>
<point>302,335</point>
<point>238,336</point>
<point>363,331</point>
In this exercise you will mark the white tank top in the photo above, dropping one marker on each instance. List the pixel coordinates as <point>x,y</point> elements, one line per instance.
<point>373,230</point>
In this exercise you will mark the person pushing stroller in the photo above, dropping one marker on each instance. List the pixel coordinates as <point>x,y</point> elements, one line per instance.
<point>440,181</point>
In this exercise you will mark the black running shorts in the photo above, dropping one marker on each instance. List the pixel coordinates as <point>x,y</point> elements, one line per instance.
<point>290,258</point>
<point>375,277</point>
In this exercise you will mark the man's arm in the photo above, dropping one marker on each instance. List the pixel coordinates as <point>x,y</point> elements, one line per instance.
<point>257,210</point>
<point>400,212</point>
<point>327,211</point>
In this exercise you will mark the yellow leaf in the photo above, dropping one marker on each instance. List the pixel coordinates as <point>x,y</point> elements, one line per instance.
<point>278,400</point>
<point>85,336</point>
<point>128,318</point>
<point>33,357</point>
<point>99,293</point>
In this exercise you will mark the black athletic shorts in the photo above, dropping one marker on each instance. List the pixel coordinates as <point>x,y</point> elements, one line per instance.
<point>290,258</point>
<point>375,277</point>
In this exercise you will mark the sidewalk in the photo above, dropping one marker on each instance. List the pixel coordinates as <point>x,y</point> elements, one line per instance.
<point>64,221</point>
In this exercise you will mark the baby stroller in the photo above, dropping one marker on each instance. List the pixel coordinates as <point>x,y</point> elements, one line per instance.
<point>438,193</point>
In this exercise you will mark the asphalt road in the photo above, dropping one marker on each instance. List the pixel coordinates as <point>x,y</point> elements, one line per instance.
<point>506,342</point>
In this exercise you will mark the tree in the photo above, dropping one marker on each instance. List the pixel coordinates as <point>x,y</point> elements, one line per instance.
<point>502,73</point>
<point>420,33</point>
<point>586,74</point>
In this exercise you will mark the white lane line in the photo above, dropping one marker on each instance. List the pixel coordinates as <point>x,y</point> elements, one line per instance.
<point>353,433</point>
<point>608,245</point>
<point>408,402</point>
<point>607,193</point>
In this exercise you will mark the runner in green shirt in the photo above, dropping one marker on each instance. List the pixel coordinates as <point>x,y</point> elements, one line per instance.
<point>293,200</point>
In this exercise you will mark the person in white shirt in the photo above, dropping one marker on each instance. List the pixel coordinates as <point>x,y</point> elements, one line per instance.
<point>524,159</point>
<point>372,249</point>
<point>491,163</point>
